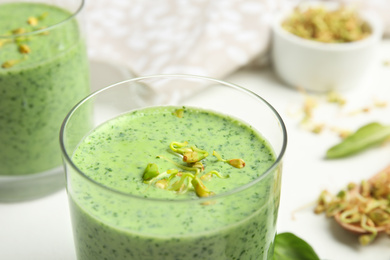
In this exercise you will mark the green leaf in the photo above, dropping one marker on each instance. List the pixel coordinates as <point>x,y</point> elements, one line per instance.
<point>290,247</point>
<point>365,137</point>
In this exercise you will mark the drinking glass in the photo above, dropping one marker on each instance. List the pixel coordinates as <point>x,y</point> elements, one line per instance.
<point>43,74</point>
<point>112,224</point>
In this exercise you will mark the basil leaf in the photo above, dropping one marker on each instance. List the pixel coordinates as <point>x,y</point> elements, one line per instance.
<point>290,247</point>
<point>365,137</point>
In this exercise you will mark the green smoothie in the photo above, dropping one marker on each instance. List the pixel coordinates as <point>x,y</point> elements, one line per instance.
<point>174,183</point>
<point>42,75</point>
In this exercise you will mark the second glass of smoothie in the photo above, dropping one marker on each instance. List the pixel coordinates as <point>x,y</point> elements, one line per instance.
<point>172,176</point>
<point>43,73</point>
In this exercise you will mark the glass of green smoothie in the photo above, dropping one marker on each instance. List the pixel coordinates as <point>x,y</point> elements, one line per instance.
<point>43,74</point>
<point>170,175</point>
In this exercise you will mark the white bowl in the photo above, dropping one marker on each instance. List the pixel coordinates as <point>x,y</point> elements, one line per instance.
<point>321,67</point>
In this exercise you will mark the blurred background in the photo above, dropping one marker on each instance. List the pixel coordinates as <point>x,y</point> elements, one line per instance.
<point>211,38</point>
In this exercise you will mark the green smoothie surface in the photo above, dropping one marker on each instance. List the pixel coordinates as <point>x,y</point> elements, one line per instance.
<point>22,40</point>
<point>42,76</point>
<point>117,153</point>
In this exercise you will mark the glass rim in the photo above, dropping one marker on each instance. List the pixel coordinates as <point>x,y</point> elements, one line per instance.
<point>48,28</point>
<point>246,186</point>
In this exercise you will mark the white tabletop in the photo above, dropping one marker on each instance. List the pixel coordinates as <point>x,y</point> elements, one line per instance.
<point>41,229</point>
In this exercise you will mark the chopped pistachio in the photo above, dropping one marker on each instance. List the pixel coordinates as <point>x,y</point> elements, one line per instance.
<point>24,48</point>
<point>32,21</point>
<point>179,113</point>
<point>317,128</point>
<point>4,41</point>
<point>9,64</point>
<point>162,184</point>
<point>19,31</point>
<point>22,39</point>
<point>343,133</point>
<point>237,163</point>
<point>380,104</point>
<point>309,104</point>
<point>335,97</point>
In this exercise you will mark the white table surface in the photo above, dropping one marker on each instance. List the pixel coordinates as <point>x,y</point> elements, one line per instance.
<point>41,229</point>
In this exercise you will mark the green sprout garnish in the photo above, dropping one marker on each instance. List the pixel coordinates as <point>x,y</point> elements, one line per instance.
<point>189,176</point>
<point>238,163</point>
<point>151,171</point>
<point>183,167</point>
<point>207,176</point>
<point>200,189</point>
<point>182,185</point>
<point>179,147</point>
<point>186,181</point>
<point>191,154</point>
